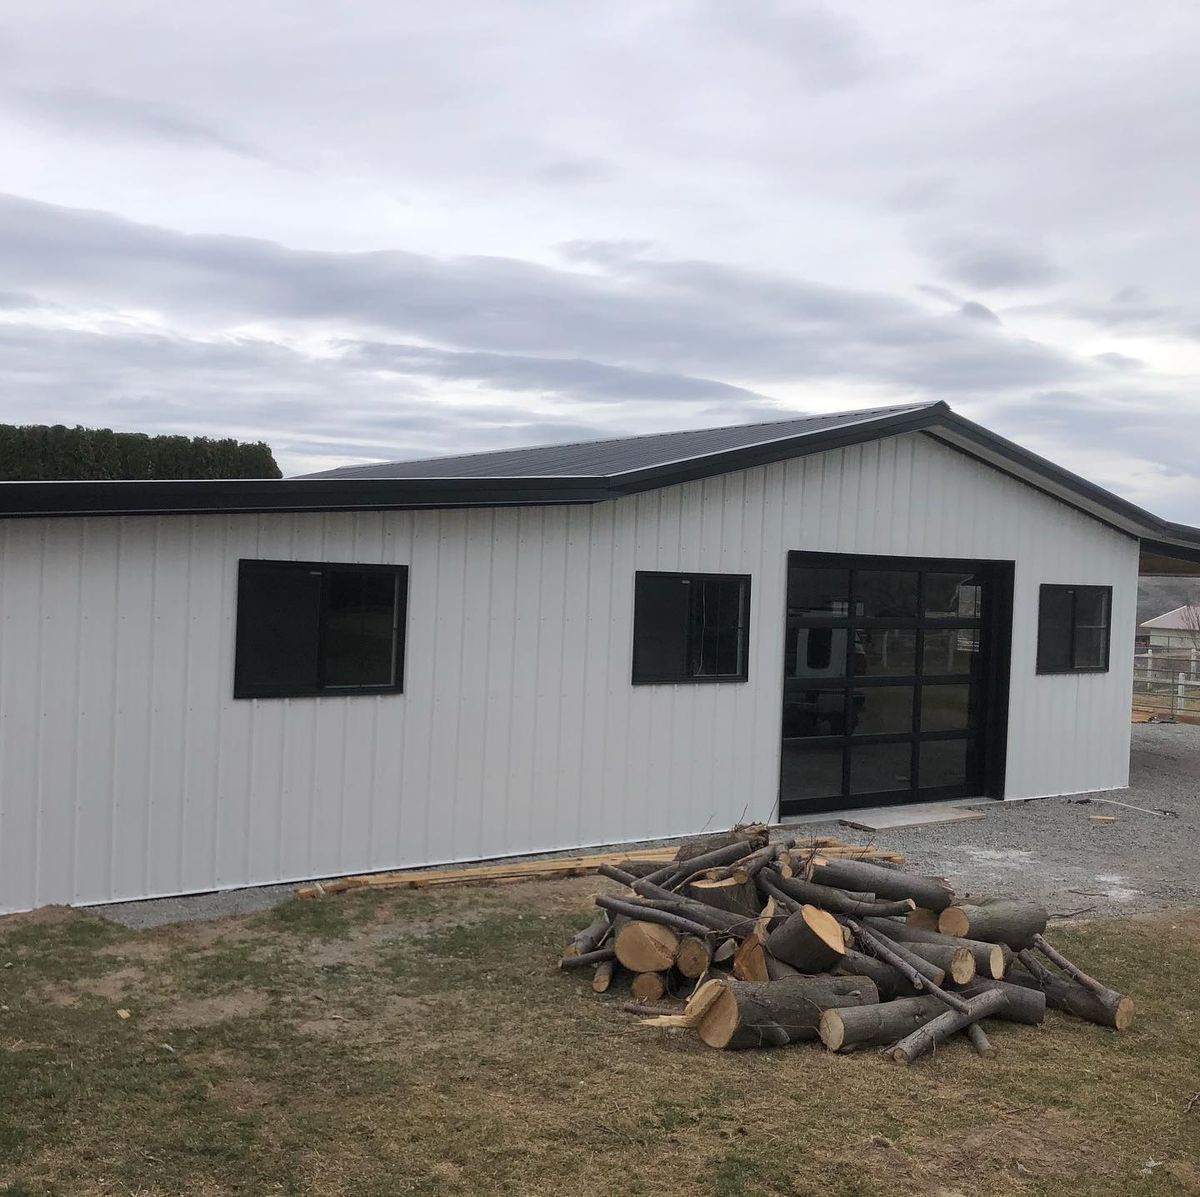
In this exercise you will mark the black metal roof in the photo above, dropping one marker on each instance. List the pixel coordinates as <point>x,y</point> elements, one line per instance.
<point>591,472</point>
<point>618,455</point>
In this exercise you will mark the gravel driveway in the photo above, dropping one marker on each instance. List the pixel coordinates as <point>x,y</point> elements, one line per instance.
<point>1046,848</point>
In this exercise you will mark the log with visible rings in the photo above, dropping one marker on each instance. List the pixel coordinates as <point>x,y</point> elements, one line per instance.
<point>885,1022</point>
<point>1013,921</point>
<point>603,976</point>
<point>1064,994</point>
<point>773,1013</point>
<point>810,939</point>
<point>649,987</point>
<point>991,959</point>
<point>893,956</point>
<point>694,956</point>
<point>1109,998</point>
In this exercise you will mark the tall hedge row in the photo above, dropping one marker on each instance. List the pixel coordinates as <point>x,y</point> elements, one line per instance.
<point>41,452</point>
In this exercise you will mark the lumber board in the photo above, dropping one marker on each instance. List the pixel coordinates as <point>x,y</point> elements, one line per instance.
<point>564,866</point>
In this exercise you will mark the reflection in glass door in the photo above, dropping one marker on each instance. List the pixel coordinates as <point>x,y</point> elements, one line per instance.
<point>886,680</point>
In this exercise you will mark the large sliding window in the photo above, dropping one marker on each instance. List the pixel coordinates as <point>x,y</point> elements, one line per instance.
<point>309,628</point>
<point>1074,629</point>
<point>690,628</point>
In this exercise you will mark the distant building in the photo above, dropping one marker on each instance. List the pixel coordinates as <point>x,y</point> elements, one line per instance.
<point>1178,630</point>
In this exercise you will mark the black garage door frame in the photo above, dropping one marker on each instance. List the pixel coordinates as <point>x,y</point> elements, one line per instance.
<point>991,693</point>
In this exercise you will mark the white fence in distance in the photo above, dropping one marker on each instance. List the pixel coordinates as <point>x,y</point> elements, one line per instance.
<point>1166,682</point>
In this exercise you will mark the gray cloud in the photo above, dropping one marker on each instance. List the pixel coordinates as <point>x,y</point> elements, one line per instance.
<point>677,317</point>
<point>82,111</point>
<point>978,311</point>
<point>992,264</point>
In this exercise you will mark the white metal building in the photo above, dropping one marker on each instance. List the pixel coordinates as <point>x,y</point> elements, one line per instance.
<point>200,687</point>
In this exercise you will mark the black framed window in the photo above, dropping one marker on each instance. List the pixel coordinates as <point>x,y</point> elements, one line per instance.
<point>690,628</point>
<point>307,628</point>
<point>1074,629</point>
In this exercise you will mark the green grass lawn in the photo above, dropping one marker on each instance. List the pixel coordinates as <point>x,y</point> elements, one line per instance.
<point>392,1043</point>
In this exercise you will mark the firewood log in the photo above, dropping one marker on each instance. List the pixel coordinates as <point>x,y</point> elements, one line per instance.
<point>729,894</point>
<point>840,901</point>
<point>885,1022</point>
<point>810,940</point>
<point>750,960</point>
<point>991,959</point>
<point>776,969</point>
<point>1023,1004</point>
<point>979,1040</point>
<point>586,958</point>
<point>644,947</point>
<point>1120,1005</point>
<point>754,834</point>
<point>642,868</point>
<point>922,919</point>
<point>1061,993</point>
<point>646,913</point>
<point>603,976</point>
<point>590,938</point>
<point>928,892</point>
<point>887,980</point>
<point>649,987</point>
<point>694,956</point>
<point>956,964</point>
<point>923,1040</point>
<point>773,1013</point>
<point>1014,921</point>
<point>903,953</point>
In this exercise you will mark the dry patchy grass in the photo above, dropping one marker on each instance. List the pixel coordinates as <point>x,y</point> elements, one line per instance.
<point>397,1043</point>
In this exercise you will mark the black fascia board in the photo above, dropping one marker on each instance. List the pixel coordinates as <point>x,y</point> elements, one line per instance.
<point>257,495</point>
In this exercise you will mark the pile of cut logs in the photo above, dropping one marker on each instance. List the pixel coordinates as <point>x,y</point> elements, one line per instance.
<point>774,942</point>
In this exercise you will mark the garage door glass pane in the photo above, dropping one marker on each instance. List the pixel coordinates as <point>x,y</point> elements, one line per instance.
<point>945,708</point>
<point>813,712</point>
<point>886,652</point>
<point>944,763</point>
<point>878,768</point>
<point>880,593</point>
<point>950,650</point>
<point>811,772</point>
<point>883,710</point>
<point>952,596</point>
<point>818,592</point>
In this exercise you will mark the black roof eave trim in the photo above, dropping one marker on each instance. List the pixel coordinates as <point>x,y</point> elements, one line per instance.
<point>256,496</point>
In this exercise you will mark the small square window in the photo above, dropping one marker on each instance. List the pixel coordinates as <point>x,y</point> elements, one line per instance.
<point>307,628</point>
<point>1074,629</point>
<point>690,628</point>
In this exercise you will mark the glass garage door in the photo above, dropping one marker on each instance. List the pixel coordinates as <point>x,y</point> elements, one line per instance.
<point>886,681</point>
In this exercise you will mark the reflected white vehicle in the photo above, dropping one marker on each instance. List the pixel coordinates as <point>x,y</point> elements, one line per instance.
<point>819,655</point>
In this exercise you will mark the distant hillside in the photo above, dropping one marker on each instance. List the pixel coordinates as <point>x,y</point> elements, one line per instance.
<point>1156,596</point>
<point>55,453</point>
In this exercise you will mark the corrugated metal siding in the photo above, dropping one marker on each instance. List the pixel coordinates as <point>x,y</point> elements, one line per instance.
<point>127,770</point>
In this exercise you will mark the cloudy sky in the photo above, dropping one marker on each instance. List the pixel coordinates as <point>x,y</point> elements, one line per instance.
<point>396,229</point>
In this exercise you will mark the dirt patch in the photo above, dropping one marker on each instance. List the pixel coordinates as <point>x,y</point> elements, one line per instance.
<point>205,1012</point>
